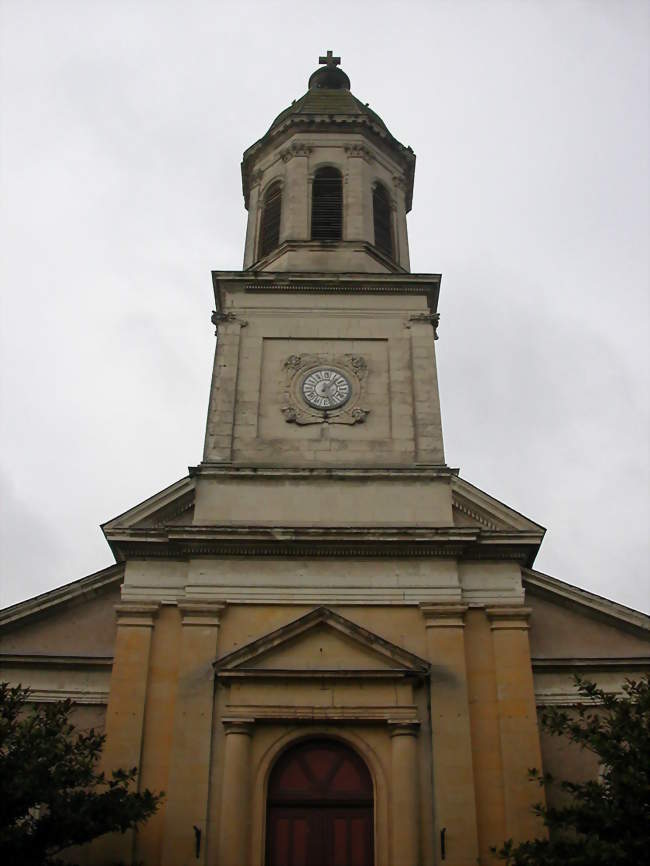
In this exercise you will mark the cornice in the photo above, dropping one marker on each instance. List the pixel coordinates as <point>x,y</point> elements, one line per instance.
<point>55,661</point>
<point>218,470</point>
<point>77,696</point>
<point>182,542</point>
<point>316,673</point>
<point>291,245</point>
<point>327,283</point>
<point>350,715</point>
<point>473,514</point>
<point>591,665</point>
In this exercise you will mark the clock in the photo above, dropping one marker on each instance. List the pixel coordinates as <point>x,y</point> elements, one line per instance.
<point>326,388</point>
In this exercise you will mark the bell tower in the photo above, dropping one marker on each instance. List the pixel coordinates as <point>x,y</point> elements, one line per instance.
<point>327,188</point>
<point>322,586</point>
<point>325,361</point>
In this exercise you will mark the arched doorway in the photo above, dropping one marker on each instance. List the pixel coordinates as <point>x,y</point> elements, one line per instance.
<point>320,807</point>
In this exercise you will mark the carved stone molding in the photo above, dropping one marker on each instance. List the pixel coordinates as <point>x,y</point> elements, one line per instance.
<point>201,613</point>
<point>131,614</point>
<point>256,177</point>
<point>296,410</point>
<point>295,149</point>
<point>401,728</point>
<point>432,319</point>
<point>218,317</point>
<point>358,151</point>
<point>400,181</point>
<point>238,726</point>
<point>510,617</point>
<point>444,615</point>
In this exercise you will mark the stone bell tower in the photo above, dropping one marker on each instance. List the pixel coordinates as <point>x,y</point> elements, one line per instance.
<point>322,586</point>
<point>328,188</point>
<point>326,353</point>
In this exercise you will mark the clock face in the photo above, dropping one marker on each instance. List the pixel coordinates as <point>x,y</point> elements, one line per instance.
<point>326,389</point>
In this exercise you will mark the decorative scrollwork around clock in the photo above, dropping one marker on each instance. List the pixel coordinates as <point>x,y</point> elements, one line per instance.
<point>324,389</point>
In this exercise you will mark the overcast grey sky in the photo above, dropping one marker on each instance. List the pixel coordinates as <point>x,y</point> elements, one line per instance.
<point>123,125</point>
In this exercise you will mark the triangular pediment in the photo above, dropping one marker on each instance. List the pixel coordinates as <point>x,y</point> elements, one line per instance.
<point>172,506</point>
<point>473,507</point>
<point>322,641</point>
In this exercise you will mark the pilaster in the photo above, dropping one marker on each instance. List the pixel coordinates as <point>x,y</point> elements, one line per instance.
<point>126,705</point>
<point>356,227</point>
<point>235,829</point>
<point>253,218</point>
<point>187,797</point>
<point>520,746</point>
<point>428,424</point>
<point>453,775</point>
<point>405,825</point>
<point>295,194</point>
<point>223,392</point>
<point>401,231</point>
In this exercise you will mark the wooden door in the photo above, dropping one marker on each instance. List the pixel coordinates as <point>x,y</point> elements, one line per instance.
<point>320,808</point>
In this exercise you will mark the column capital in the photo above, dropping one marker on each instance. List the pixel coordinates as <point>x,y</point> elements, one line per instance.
<point>401,728</point>
<point>508,617</point>
<point>449,615</point>
<point>201,612</point>
<point>136,614</point>
<point>238,726</point>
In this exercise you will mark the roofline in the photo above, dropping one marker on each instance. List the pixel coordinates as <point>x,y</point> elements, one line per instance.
<point>149,499</point>
<point>85,587</point>
<point>499,502</point>
<point>597,605</point>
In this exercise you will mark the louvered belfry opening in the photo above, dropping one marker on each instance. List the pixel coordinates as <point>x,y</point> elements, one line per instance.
<point>327,205</point>
<point>271,214</point>
<point>381,211</point>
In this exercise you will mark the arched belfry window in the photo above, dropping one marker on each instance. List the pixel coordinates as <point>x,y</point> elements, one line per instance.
<point>381,213</point>
<point>327,205</point>
<point>270,224</point>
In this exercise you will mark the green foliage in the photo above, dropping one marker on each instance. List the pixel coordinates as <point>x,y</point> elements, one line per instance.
<point>51,795</point>
<point>605,821</point>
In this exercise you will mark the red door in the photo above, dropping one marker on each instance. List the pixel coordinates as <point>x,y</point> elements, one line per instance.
<point>320,808</point>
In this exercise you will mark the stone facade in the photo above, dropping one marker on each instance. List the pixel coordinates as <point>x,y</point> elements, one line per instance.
<point>323,576</point>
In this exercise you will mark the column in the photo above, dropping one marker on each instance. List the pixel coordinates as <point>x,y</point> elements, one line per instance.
<point>126,706</point>
<point>520,747</point>
<point>453,773</point>
<point>405,808</point>
<point>235,829</point>
<point>189,772</point>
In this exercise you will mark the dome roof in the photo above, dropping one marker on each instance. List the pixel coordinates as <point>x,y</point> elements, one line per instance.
<point>328,94</point>
<point>329,103</point>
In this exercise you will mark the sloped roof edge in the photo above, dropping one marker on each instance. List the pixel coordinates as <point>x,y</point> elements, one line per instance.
<point>85,587</point>
<point>463,487</point>
<point>151,504</point>
<point>596,605</point>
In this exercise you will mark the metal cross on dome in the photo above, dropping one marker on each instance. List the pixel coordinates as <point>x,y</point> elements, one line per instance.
<point>331,61</point>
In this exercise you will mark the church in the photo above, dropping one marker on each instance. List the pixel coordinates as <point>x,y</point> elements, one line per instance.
<point>323,644</point>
